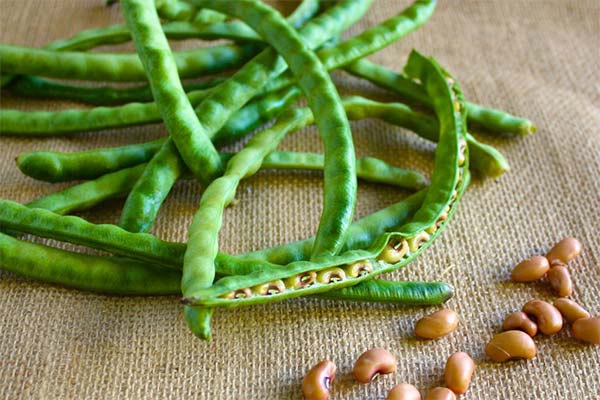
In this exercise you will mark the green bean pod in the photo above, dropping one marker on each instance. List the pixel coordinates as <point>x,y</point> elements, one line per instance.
<point>391,250</point>
<point>187,132</point>
<point>340,176</point>
<point>118,184</point>
<point>118,67</point>
<point>34,87</point>
<point>403,292</point>
<point>202,249</point>
<point>121,276</point>
<point>490,119</point>
<point>89,194</point>
<point>147,195</point>
<point>99,274</point>
<point>369,41</point>
<point>52,166</point>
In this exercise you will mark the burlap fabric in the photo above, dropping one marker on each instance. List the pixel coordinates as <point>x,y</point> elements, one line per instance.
<point>534,58</point>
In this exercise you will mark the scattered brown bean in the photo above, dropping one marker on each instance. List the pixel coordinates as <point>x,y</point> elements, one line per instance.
<point>318,380</point>
<point>440,393</point>
<point>570,310</point>
<point>564,251</point>
<point>374,362</point>
<point>520,321</point>
<point>510,345</point>
<point>560,280</point>
<point>587,330</point>
<point>404,391</point>
<point>531,269</point>
<point>549,319</point>
<point>436,325</point>
<point>459,371</point>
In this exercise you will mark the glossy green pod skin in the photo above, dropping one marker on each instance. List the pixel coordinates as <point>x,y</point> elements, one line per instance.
<point>449,180</point>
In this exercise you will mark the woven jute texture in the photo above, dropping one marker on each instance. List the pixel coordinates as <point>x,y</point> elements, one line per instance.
<point>535,58</point>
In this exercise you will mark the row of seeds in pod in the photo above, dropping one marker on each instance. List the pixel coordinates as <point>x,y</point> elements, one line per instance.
<point>395,250</point>
<point>540,316</point>
<point>459,370</point>
<point>304,280</point>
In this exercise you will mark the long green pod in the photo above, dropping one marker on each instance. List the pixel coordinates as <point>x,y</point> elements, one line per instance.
<point>117,67</point>
<point>330,118</point>
<point>163,170</point>
<point>87,195</point>
<point>52,166</point>
<point>121,276</point>
<point>107,237</point>
<point>185,129</point>
<point>391,250</point>
<point>369,41</point>
<point>30,86</point>
<point>37,123</point>
<point>406,293</point>
<point>85,272</point>
<point>75,121</point>
<point>490,119</point>
<point>147,195</point>
<point>35,87</point>
<point>147,247</point>
<point>118,184</point>
<point>202,249</point>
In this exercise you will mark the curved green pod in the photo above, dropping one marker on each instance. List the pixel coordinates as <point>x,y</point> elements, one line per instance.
<point>185,129</point>
<point>391,250</point>
<point>490,119</point>
<point>118,67</point>
<point>99,274</point>
<point>122,276</point>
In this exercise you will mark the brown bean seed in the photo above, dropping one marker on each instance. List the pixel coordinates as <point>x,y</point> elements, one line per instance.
<point>318,380</point>
<point>436,325</point>
<point>510,345</point>
<point>560,280</point>
<point>374,362</point>
<point>440,393</point>
<point>548,318</point>
<point>531,269</point>
<point>520,321</point>
<point>404,391</point>
<point>459,371</point>
<point>570,310</point>
<point>564,251</point>
<point>587,330</point>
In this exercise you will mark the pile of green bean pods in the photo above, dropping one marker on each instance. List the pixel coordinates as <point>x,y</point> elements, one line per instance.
<point>217,95</point>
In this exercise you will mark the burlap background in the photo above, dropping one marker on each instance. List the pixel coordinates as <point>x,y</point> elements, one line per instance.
<point>533,58</point>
